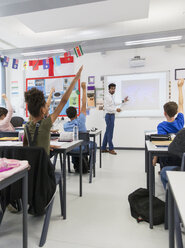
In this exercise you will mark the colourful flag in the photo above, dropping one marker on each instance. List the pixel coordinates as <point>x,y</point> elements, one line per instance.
<point>78,51</point>
<point>15,63</point>
<point>5,61</point>
<point>25,65</point>
<point>67,54</point>
<point>35,65</point>
<point>67,58</point>
<point>56,60</point>
<point>45,64</point>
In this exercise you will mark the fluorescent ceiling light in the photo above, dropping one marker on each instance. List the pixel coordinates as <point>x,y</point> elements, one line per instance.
<point>44,52</point>
<point>148,41</point>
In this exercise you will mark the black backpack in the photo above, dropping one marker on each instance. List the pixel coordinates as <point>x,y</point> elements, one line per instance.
<point>85,164</point>
<point>139,207</point>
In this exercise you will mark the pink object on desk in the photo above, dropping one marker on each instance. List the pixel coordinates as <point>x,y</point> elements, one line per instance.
<point>15,167</point>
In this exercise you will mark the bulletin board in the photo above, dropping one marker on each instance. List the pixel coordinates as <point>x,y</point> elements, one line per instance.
<point>60,83</point>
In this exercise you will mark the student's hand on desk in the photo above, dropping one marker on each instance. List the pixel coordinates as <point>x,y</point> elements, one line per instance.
<point>83,85</point>
<point>180,82</point>
<point>52,147</point>
<point>52,89</point>
<point>118,110</point>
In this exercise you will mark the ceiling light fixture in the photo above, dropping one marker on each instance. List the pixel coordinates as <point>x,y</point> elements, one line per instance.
<point>156,40</point>
<point>44,52</point>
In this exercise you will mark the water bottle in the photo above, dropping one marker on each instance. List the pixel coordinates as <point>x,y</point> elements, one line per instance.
<point>75,132</point>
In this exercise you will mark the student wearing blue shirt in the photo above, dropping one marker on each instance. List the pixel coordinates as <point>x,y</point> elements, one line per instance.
<point>79,121</point>
<point>171,125</point>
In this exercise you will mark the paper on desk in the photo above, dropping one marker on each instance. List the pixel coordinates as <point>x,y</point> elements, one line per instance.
<point>161,143</point>
<point>11,143</point>
<point>55,143</point>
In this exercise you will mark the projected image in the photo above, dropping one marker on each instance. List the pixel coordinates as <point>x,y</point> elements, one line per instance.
<point>143,94</point>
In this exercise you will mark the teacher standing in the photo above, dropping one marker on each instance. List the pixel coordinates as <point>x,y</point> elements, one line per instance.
<point>111,108</point>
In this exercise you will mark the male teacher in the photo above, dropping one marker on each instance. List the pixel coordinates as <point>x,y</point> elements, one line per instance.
<point>110,109</point>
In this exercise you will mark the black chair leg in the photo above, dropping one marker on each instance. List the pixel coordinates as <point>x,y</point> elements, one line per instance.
<point>46,224</point>
<point>61,197</point>
<point>166,211</point>
<point>68,163</point>
<point>91,169</point>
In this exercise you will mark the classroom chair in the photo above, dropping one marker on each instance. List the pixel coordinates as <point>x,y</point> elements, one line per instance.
<point>17,121</point>
<point>86,151</point>
<point>42,181</point>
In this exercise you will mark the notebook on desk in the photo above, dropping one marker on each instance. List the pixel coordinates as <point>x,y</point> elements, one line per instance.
<point>162,143</point>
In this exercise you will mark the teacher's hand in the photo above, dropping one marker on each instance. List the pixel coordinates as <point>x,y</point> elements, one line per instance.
<point>118,110</point>
<point>126,99</point>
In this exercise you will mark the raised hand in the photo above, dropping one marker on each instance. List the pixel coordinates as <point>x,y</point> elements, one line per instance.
<point>78,74</point>
<point>83,85</point>
<point>180,82</point>
<point>4,96</point>
<point>126,99</point>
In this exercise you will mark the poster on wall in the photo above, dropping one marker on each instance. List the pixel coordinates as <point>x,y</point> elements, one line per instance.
<point>60,84</point>
<point>99,98</point>
<point>14,95</point>
<point>91,101</point>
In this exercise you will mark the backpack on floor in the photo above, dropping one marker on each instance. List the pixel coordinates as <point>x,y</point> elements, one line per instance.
<point>139,207</point>
<point>85,165</point>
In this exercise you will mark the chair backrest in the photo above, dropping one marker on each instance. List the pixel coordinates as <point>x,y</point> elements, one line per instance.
<point>86,138</point>
<point>183,162</point>
<point>41,176</point>
<point>9,134</point>
<point>17,121</point>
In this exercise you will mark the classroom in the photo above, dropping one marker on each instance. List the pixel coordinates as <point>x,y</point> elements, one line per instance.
<point>92,146</point>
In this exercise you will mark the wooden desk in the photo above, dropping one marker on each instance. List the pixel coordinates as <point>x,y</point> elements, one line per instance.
<point>64,148</point>
<point>176,206</point>
<point>9,177</point>
<point>93,135</point>
<point>150,151</point>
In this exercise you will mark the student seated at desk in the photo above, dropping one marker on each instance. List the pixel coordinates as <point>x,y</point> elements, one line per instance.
<point>5,116</point>
<point>79,122</point>
<point>38,109</point>
<point>176,148</point>
<point>172,124</point>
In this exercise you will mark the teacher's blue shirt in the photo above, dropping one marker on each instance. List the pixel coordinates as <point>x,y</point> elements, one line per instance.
<point>166,127</point>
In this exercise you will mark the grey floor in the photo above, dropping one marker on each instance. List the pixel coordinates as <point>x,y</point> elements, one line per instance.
<point>99,219</point>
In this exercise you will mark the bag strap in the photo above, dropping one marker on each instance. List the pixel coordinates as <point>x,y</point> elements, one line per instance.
<point>30,141</point>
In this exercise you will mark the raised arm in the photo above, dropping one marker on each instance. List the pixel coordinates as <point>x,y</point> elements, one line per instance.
<point>8,117</point>
<point>50,96</point>
<point>84,98</point>
<point>65,97</point>
<point>180,84</point>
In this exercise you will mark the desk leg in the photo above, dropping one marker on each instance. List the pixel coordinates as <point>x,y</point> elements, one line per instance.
<point>171,219</point>
<point>25,203</point>
<point>147,167</point>
<point>80,170</point>
<point>94,168</point>
<point>63,169</point>
<point>177,228</point>
<point>100,151</point>
<point>151,184</point>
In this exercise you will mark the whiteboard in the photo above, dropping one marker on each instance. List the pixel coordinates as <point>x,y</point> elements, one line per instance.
<point>147,93</point>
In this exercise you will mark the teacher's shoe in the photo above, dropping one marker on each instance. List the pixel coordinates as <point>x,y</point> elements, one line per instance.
<point>113,152</point>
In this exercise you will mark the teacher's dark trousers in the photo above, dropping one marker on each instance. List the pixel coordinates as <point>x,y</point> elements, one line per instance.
<point>109,119</point>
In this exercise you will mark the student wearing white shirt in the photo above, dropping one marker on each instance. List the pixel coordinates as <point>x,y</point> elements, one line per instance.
<point>110,108</point>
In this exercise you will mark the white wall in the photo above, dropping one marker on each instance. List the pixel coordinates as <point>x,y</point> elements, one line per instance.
<point>129,132</point>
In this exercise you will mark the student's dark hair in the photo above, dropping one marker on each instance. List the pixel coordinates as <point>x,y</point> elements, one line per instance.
<point>35,100</point>
<point>3,111</point>
<point>111,85</point>
<point>171,108</point>
<point>71,112</point>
